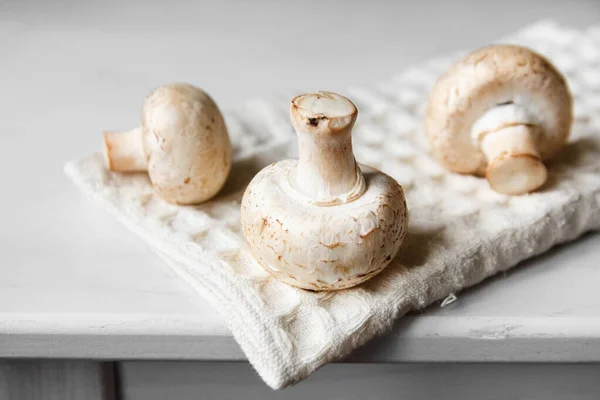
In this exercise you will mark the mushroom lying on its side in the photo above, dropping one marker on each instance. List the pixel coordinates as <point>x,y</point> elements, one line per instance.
<point>499,112</point>
<point>182,143</point>
<point>323,222</point>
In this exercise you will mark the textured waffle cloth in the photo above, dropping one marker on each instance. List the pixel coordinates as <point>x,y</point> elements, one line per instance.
<point>460,231</point>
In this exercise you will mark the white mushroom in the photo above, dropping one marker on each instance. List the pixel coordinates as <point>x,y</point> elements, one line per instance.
<point>182,143</point>
<point>499,112</point>
<point>323,222</point>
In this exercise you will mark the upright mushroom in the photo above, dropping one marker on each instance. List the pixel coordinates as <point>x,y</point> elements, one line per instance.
<point>182,143</point>
<point>323,222</point>
<point>499,112</point>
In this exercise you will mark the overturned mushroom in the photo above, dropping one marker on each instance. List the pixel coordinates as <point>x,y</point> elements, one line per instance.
<point>182,143</point>
<point>499,112</point>
<point>323,222</point>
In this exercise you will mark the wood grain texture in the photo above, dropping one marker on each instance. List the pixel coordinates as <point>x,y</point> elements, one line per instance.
<point>56,380</point>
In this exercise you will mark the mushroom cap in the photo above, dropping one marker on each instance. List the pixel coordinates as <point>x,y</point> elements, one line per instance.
<point>186,143</point>
<point>322,248</point>
<point>488,77</point>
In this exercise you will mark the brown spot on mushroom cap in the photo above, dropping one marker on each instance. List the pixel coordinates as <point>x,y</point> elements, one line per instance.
<point>370,232</point>
<point>332,245</point>
<point>484,78</point>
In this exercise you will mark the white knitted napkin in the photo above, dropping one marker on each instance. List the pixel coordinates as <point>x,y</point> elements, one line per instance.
<point>460,231</point>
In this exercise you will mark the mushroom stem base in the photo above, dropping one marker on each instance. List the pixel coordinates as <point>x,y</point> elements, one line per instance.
<point>357,190</point>
<point>124,151</point>
<point>516,174</point>
<point>515,166</point>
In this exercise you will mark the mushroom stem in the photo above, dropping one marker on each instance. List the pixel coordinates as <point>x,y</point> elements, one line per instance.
<point>327,171</point>
<point>515,166</point>
<point>326,166</point>
<point>124,151</point>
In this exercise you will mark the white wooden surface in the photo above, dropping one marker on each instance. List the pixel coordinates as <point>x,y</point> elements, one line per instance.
<point>74,283</point>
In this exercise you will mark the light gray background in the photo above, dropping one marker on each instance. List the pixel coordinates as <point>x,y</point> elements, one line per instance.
<point>70,69</point>
<point>238,49</point>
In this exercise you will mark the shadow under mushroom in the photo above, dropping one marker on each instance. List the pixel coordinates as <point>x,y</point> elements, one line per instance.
<point>416,250</point>
<point>577,155</point>
<point>244,169</point>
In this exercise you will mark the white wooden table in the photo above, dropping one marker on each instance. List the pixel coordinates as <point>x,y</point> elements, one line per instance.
<point>81,292</point>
